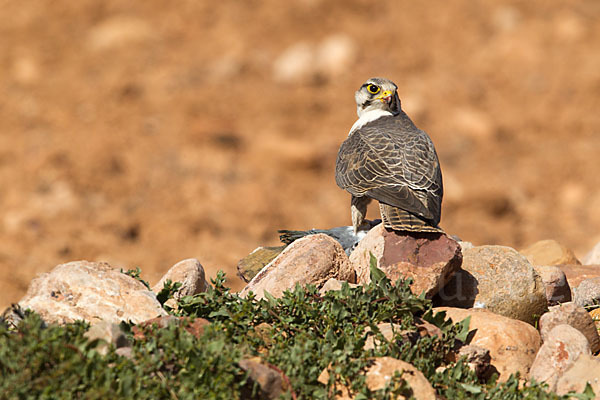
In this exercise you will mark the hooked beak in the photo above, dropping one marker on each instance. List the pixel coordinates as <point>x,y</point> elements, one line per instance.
<point>386,96</point>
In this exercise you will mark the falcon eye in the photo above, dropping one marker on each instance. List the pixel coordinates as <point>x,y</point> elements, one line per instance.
<point>373,89</point>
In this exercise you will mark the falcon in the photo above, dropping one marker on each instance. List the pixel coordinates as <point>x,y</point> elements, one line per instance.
<point>387,158</point>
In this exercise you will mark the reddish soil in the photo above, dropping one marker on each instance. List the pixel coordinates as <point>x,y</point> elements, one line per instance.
<point>142,133</point>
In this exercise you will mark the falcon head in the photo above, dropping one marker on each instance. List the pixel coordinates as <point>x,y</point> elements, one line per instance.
<point>377,94</point>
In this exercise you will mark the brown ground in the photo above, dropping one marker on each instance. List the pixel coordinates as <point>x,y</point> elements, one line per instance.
<point>142,133</point>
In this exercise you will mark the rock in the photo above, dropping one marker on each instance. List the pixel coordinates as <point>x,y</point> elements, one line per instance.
<point>295,64</point>
<point>555,282</point>
<point>305,62</point>
<point>512,344</point>
<point>473,123</point>
<point>381,372</point>
<point>126,352</point>
<point>563,346</point>
<point>573,315</point>
<point>477,358</point>
<point>465,245</point>
<point>499,279</point>
<point>251,265</point>
<point>194,326</point>
<point>334,54</point>
<point>549,252</point>
<point>189,273</point>
<point>26,70</point>
<point>586,369</point>
<point>429,259</point>
<point>333,284</point>
<point>119,31</point>
<point>389,331</point>
<point>588,292</point>
<point>90,291</point>
<point>110,333</point>
<point>578,273</point>
<point>313,260</point>
<point>593,257</point>
<point>269,380</point>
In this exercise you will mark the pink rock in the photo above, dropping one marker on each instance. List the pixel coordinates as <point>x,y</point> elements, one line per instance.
<point>578,273</point>
<point>429,259</point>
<point>573,315</point>
<point>563,346</point>
<point>313,259</point>
<point>555,282</point>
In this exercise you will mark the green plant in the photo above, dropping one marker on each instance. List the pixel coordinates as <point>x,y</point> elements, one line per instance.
<point>302,333</point>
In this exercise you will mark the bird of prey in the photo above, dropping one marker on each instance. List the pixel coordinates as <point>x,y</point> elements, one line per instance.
<point>387,158</point>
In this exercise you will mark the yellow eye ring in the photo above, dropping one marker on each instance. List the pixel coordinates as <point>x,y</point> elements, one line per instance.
<point>373,89</point>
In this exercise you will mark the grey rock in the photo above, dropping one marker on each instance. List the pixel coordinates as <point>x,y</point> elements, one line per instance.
<point>499,279</point>
<point>588,292</point>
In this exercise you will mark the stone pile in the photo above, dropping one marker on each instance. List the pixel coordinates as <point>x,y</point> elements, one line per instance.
<point>532,312</point>
<point>506,293</point>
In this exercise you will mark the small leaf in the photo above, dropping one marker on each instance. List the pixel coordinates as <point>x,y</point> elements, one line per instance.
<point>463,334</point>
<point>376,274</point>
<point>471,388</point>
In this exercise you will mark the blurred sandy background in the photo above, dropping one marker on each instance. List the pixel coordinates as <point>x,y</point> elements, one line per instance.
<point>142,133</point>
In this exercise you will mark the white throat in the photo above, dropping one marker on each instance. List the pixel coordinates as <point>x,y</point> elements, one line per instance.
<point>368,116</point>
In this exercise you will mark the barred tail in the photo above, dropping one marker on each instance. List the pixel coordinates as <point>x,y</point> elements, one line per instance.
<point>401,220</point>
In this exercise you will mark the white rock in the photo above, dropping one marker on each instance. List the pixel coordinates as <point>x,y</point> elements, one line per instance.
<point>334,54</point>
<point>83,290</point>
<point>189,273</point>
<point>295,64</point>
<point>119,31</point>
<point>593,257</point>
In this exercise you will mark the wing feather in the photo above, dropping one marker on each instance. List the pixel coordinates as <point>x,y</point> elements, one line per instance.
<point>394,162</point>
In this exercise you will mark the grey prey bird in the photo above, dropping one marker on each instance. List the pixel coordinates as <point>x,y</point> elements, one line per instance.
<point>345,235</point>
<point>387,158</point>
